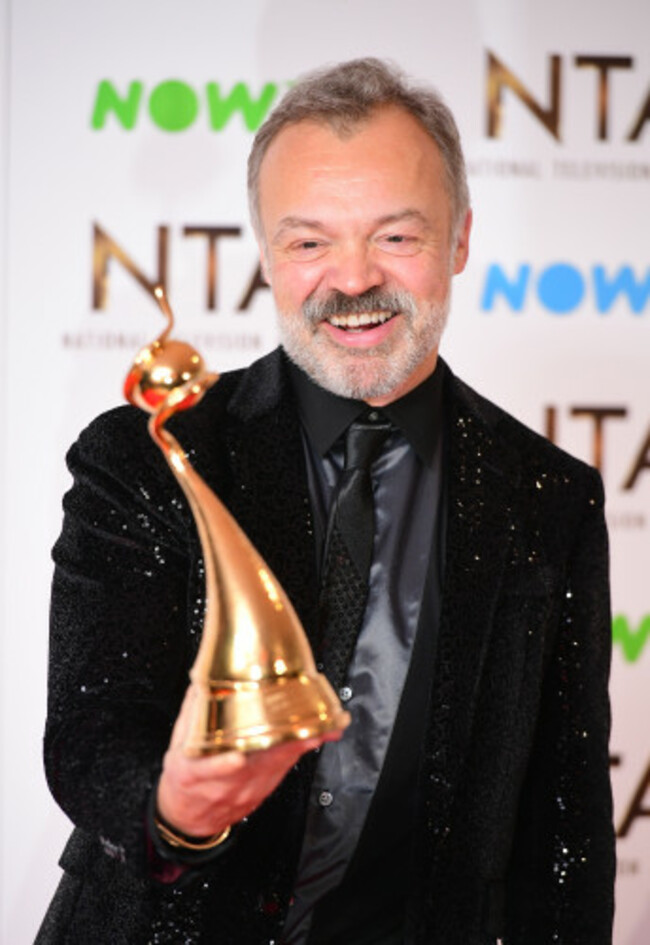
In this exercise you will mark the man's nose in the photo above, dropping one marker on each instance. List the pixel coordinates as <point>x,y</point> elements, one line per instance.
<point>354,270</point>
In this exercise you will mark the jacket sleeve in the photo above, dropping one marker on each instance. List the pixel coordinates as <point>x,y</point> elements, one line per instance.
<point>562,875</point>
<point>126,608</point>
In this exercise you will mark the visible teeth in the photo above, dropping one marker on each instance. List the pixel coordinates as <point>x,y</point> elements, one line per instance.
<point>359,321</point>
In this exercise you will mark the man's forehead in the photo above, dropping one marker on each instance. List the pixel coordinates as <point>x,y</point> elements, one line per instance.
<point>390,165</point>
<point>389,136</point>
<point>345,126</point>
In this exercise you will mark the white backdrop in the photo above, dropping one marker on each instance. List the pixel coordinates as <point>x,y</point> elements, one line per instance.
<point>126,118</point>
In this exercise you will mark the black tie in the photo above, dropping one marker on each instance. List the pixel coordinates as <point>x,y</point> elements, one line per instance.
<point>348,551</point>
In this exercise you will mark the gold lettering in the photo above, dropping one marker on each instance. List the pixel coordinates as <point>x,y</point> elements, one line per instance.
<point>599,414</point>
<point>636,808</point>
<point>550,425</point>
<point>105,248</point>
<point>641,462</point>
<point>257,282</point>
<point>603,64</point>
<point>213,233</point>
<point>644,116</point>
<point>500,77</point>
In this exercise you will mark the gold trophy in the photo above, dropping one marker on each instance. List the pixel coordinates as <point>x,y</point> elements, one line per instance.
<point>254,676</point>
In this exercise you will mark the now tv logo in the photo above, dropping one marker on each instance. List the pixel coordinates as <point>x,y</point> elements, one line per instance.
<point>174,105</point>
<point>562,287</point>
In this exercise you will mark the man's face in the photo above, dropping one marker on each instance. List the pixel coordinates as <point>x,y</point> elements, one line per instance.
<point>357,247</point>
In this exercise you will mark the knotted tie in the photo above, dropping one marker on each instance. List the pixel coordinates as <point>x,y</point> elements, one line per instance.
<point>348,551</point>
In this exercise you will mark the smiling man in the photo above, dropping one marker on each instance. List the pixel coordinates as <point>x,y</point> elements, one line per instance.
<point>360,239</point>
<point>449,567</point>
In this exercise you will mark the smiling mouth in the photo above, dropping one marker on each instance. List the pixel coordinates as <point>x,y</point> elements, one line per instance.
<point>360,321</point>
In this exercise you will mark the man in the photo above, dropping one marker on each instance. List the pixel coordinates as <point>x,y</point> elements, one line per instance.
<point>468,801</point>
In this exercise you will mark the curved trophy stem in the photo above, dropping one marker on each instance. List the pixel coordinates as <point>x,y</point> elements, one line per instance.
<point>255,678</point>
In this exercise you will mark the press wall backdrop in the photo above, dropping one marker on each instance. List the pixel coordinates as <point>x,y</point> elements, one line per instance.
<point>124,132</point>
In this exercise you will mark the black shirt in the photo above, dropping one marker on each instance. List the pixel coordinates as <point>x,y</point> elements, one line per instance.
<point>345,799</point>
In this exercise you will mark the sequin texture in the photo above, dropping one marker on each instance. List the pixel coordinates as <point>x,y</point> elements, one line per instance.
<point>514,819</point>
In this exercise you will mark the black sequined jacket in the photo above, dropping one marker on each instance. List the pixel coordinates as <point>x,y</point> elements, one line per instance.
<point>515,837</point>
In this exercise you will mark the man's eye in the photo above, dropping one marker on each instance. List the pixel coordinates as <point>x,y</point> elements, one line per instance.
<point>398,243</point>
<point>307,249</point>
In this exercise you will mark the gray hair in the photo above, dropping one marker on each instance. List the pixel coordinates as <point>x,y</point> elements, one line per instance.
<point>346,94</point>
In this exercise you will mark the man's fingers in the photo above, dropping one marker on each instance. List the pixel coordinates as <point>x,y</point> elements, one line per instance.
<point>193,769</point>
<point>200,795</point>
<point>224,768</point>
<point>181,726</point>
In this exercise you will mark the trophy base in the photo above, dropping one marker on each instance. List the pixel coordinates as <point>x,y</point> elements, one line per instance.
<point>251,716</point>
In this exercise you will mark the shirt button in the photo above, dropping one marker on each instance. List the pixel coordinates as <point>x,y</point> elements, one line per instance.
<point>345,694</point>
<point>373,416</point>
<point>325,798</point>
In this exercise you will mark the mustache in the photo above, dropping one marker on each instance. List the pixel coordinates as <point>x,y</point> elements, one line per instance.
<point>373,300</point>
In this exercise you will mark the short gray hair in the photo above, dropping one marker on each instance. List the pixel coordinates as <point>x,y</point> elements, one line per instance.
<point>346,94</point>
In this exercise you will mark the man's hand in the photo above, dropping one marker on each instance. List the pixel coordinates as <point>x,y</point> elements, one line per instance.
<point>202,796</point>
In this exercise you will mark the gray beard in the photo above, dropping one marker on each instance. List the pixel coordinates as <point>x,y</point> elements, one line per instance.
<point>357,373</point>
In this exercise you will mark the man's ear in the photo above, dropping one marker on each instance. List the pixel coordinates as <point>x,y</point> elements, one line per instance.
<point>264,264</point>
<point>461,249</point>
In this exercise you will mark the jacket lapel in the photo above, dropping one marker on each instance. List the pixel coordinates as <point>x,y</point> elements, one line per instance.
<point>269,496</point>
<point>478,523</point>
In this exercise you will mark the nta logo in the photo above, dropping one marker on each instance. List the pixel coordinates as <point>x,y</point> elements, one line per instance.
<point>500,78</point>
<point>561,287</point>
<point>174,105</point>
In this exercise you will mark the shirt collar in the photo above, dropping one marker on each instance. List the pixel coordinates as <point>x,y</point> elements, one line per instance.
<point>326,416</point>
